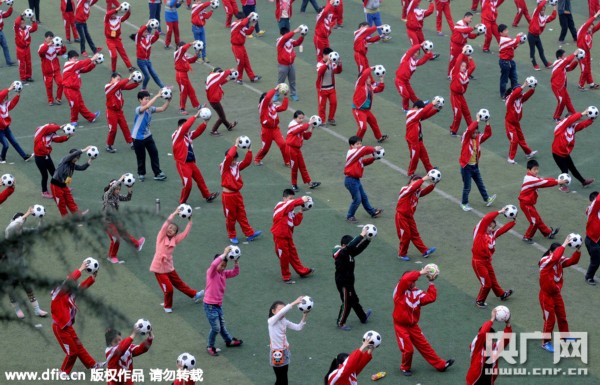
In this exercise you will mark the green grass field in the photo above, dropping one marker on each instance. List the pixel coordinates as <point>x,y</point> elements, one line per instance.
<point>450,324</point>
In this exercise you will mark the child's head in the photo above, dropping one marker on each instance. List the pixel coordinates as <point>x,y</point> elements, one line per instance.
<point>235,156</point>
<point>72,151</point>
<point>503,30</point>
<point>533,166</point>
<point>463,66</point>
<point>553,247</point>
<point>217,69</point>
<point>508,92</point>
<point>112,337</point>
<point>239,15</point>
<point>419,104</point>
<point>143,97</point>
<point>181,44</point>
<point>116,190</point>
<point>19,215</point>
<point>72,55</point>
<point>560,53</point>
<point>326,52</point>
<point>355,141</point>
<point>172,229</point>
<point>299,116</point>
<point>414,178</point>
<point>222,265</point>
<point>180,122</point>
<point>364,24</point>
<point>346,239</point>
<point>262,96</point>
<point>593,196</point>
<point>337,361</point>
<point>276,308</point>
<point>491,227</point>
<point>283,30</point>
<point>115,77</point>
<point>468,17</point>
<point>48,36</point>
<point>288,194</point>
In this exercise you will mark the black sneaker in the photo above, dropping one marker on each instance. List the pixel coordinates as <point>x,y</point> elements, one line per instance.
<point>590,281</point>
<point>506,294</point>
<point>377,213</point>
<point>553,233</point>
<point>212,197</point>
<point>407,373</point>
<point>449,363</point>
<point>110,149</point>
<point>352,220</point>
<point>312,185</point>
<point>529,241</point>
<point>295,187</point>
<point>481,304</point>
<point>382,139</point>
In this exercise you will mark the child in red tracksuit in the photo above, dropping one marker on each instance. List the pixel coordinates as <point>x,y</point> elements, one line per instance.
<point>185,160</point>
<point>325,84</point>
<point>120,352</point>
<point>284,220</point>
<point>233,202</point>
<point>285,59</point>
<point>362,39</point>
<point>558,81</point>
<point>362,101</point>
<point>323,28</point>
<point>6,135</point>
<point>48,53</point>
<point>231,9</point>
<point>406,227</point>
<point>67,7</point>
<point>537,25</point>
<point>82,14</point>
<point>297,133</point>
<point>72,86</point>
<point>414,22</point>
<point>515,97</point>
<point>114,109</point>
<point>345,368</point>
<point>199,18</point>
<point>338,16</point>
<point>42,148</point>
<point>23,42</point>
<point>408,300</point>
<point>528,198</point>
<point>407,67</point>
<point>489,14</point>
<point>585,39</point>
<point>414,135</point>
<point>8,191</point>
<point>442,7</point>
<point>460,33</point>
<point>269,121</point>
<point>522,11</point>
<point>63,311</point>
<point>61,179</point>
<point>484,246</point>
<point>112,32</point>
<point>239,30</point>
<point>458,87</point>
<point>551,283</point>
<point>182,67</point>
<point>214,95</point>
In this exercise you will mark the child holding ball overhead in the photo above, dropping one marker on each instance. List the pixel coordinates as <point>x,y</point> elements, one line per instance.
<point>278,324</point>
<point>345,368</point>
<point>61,179</point>
<point>120,352</point>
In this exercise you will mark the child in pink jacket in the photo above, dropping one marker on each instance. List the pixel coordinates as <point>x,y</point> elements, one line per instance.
<point>162,263</point>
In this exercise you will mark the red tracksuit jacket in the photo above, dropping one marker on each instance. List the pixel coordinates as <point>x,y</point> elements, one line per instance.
<point>413,122</point>
<point>416,15</point>
<point>362,37</point>
<point>323,24</point>
<point>23,35</point>
<point>514,104</point>
<point>408,302</point>
<point>408,198</point>
<point>114,97</point>
<point>408,65</point>
<point>269,117</point>
<point>347,373</point>
<point>564,134</point>
<point>82,10</point>
<point>183,139</point>
<point>551,270</point>
<point>63,306</point>
<point>199,17</point>
<point>297,133</point>
<point>214,85</point>
<point>356,161</point>
<point>335,68</point>
<point>120,358</point>
<point>231,178</point>
<point>484,244</point>
<point>71,71</point>
<point>489,9</point>
<point>43,138</point>
<point>285,219</point>
<point>143,44</point>
<point>592,227</point>
<point>362,90</point>
<point>112,25</point>
<point>467,148</point>
<point>3,15</point>
<point>560,67</point>
<point>461,33</point>
<point>478,354</point>
<point>285,48</point>
<point>528,195</point>
<point>48,54</point>
<point>182,59</point>
<point>539,21</point>
<point>239,30</point>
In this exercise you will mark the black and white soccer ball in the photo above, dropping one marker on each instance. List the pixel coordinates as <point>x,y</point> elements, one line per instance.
<point>8,180</point>
<point>9,2</point>
<point>373,338</point>
<point>205,113</point>
<point>522,37</point>
<point>592,112</point>
<point>427,46</point>
<point>335,3</point>
<point>379,154</point>
<point>552,3</point>
<point>580,53</point>
<point>511,211</point>
<point>143,326</point>
<point>93,152</point>
<point>125,7</point>
<point>18,85</point>
<point>244,142</point>
<point>253,17</point>
<point>91,265</point>
<point>371,231</point>
<point>481,29</point>
<point>69,129</point>
<point>303,29</point>
<point>483,115</point>
<point>153,24</point>
<point>198,45</point>
<point>28,13</point>
<point>308,204</point>
<point>234,75</point>
<point>468,50</point>
<point>137,77</point>
<point>166,93</point>
<point>438,102</point>
<point>57,41</point>
<point>306,305</point>
<point>334,56</point>
<point>99,59</point>
<point>379,70</point>
<point>316,120</point>
<point>566,177</point>
<point>128,179</point>
<point>186,361</point>
<point>386,29</point>
<point>234,253</point>
<point>38,211</point>
<point>531,82</point>
<point>435,175</point>
<point>214,4</point>
<point>185,210</point>
<point>576,240</point>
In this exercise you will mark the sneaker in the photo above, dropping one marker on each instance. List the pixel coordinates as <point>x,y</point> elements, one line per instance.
<point>29,157</point>
<point>58,102</point>
<point>487,51</point>
<point>29,80</point>
<point>585,183</point>
<point>549,66</point>
<point>407,373</point>
<point>110,149</point>
<point>548,347</point>
<point>453,134</point>
<point>382,139</point>
<point>131,69</point>
<point>258,163</point>
<point>288,165</point>
<point>369,314</point>
<point>256,79</point>
<point>386,38</point>
<point>404,258</point>
<point>448,364</point>
<point>332,122</point>
<point>40,313</point>
<point>481,304</point>
<point>295,187</point>
<point>532,154</point>
<point>160,177</point>
<point>114,260</point>
<point>239,81</point>
<point>51,103</point>
<point>98,49</point>
<point>212,197</point>
<point>345,328</point>
<point>435,56</point>
<point>564,188</point>
<point>511,161</point>
<point>295,98</point>
<point>234,241</point>
<point>377,213</point>
<point>529,241</point>
<point>198,297</point>
<point>352,220</point>
<point>19,312</point>
<point>2,161</point>
<point>77,40</point>
<point>313,185</point>
<point>490,200</point>
<point>260,34</point>
<point>466,207</point>
<point>206,60</point>
<point>183,112</point>
<point>429,252</point>
<point>250,36</point>
<point>141,178</point>
<point>289,282</point>
<point>215,133</point>
<point>232,125</point>
<point>167,47</point>
<point>212,351</point>
<point>47,195</point>
<point>556,120</point>
<point>307,274</point>
<point>84,54</point>
<point>440,33</point>
<point>234,343</point>
<point>553,232</point>
<point>96,115</point>
<point>580,88</point>
<point>590,281</point>
<point>594,86</point>
<point>256,234</point>
<point>168,310</point>
<point>141,242</point>
<point>536,67</point>
<point>506,294</point>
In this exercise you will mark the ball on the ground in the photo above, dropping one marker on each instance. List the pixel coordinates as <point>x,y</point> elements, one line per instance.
<point>8,180</point>
<point>205,113</point>
<point>99,59</point>
<point>481,29</point>
<point>386,29</point>
<point>28,13</point>
<point>576,240</point>
<point>143,326</point>
<point>306,305</point>
<point>153,24</point>
<point>468,50</point>
<point>125,7</point>
<point>373,338</point>
<point>580,53</point>
<point>334,56</point>
<point>438,102</point>
<point>283,88</point>
<point>379,70</point>
<point>244,142</point>
<point>137,76</point>
<point>57,41</point>
<point>198,45</point>
<point>427,46</point>
<point>379,154</point>
<point>186,361</point>
<point>592,112</point>
<point>432,270</point>
<point>308,204</point>
<point>483,115</point>
<point>566,177</point>
<point>234,253</point>
<point>303,29</point>
<point>214,4</point>
<point>128,179</point>
<point>316,120</point>
<point>511,211</point>
<point>185,210</point>
<point>371,231</point>
<point>502,313</point>
<point>18,85</point>
<point>93,152</point>
<point>531,81</point>
<point>38,211</point>
<point>435,175</point>
<point>91,265</point>
<point>166,93</point>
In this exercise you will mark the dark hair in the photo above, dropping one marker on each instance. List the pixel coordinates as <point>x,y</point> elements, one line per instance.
<point>467,14</point>
<point>509,91</point>
<point>354,139</point>
<point>109,184</point>
<point>49,34</point>
<point>180,122</point>
<point>298,113</point>
<point>73,150</point>
<point>419,104</point>
<point>559,53</point>
<point>593,195</point>
<point>532,163</point>
<point>363,24</point>
<point>143,94</point>
<point>335,364</point>
<point>502,28</point>
<point>414,177</point>
<point>235,156</point>
<point>288,192</point>
<point>181,43</point>
<point>553,247</point>
<point>176,226</point>
<point>110,335</point>
<point>274,306</point>
<point>17,215</point>
<point>115,75</point>
<point>283,30</point>
<point>262,96</point>
<point>72,53</point>
<point>346,239</point>
<point>217,69</point>
<point>327,51</point>
<point>239,15</point>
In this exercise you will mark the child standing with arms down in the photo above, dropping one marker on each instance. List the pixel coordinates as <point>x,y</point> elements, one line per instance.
<point>278,324</point>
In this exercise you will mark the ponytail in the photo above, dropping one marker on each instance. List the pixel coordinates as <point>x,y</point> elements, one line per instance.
<point>335,364</point>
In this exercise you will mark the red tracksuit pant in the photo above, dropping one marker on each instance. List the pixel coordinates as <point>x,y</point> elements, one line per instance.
<point>411,337</point>
<point>69,23</point>
<point>415,36</point>
<point>78,105</point>
<point>364,117</point>
<point>172,29</point>
<point>516,138</point>
<point>491,30</point>
<point>324,97</point>
<point>320,44</point>
<point>563,100</point>
<point>338,14</point>
<point>586,70</point>
<point>189,172</point>
<point>553,309</point>
<point>234,210</point>
<point>115,239</point>
<point>418,152</point>
<point>24,58</point>
<point>186,89</point>
<point>535,222</point>
<point>167,281</point>
<point>297,163</point>
<point>361,62</point>
<point>460,108</point>
<point>116,46</point>
<point>231,8</point>
<point>73,348</point>
<point>455,50</point>
<point>406,227</point>
<point>288,255</point>
<point>64,200</point>
<point>404,9</point>
<point>521,11</point>
<point>443,8</point>
<point>268,136</point>
<point>406,91</point>
<point>474,5</point>
<point>484,271</point>
<point>49,79</point>
<point>243,62</point>
<point>116,119</point>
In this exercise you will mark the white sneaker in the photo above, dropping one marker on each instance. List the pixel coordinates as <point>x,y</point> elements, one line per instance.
<point>532,154</point>
<point>168,310</point>
<point>466,207</point>
<point>511,161</point>
<point>490,200</point>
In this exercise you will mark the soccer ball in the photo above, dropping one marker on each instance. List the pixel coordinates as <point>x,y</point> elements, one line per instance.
<point>306,305</point>
<point>427,46</point>
<point>143,326</point>
<point>93,152</point>
<point>468,50</point>
<point>316,120</point>
<point>335,3</point>
<point>371,231</point>
<point>283,88</point>
<point>303,29</point>
<point>502,313</point>
<point>334,56</point>
<point>576,240</point>
<point>9,2</point>
<point>8,180</point>
<point>481,29</point>
<point>435,175</point>
<point>522,37</point>
<point>198,45</point>
<point>234,75</point>
<point>531,81</point>
<point>91,265</point>
<point>205,113</point>
<point>28,13</point>
<point>128,179</point>
<point>166,93</point>
<point>511,211</point>
<point>438,102</point>
<point>379,70</point>
<point>234,253</point>
<point>566,177</point>
<point>125,7</point>
<point>308,204</point>
<point>18,85</point>
<point>214,4</point>
<point>185,210</point>
<point>484,115</point>
<point>69,129</point>
<point>153,24</point>
<point>57,41</point>
<point>137,76</point>
<point>379,154</point>
<point>592,112</point>
<point>580,53</point>
<point>253,16</point>
<point>386,29</point>
<point>373,338</point>
<point>99,59</point>
<point>244,142</point>
<point>432,270</point>
<point>38,211</point>
<point>186,361</point>
<point>552,2</point>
